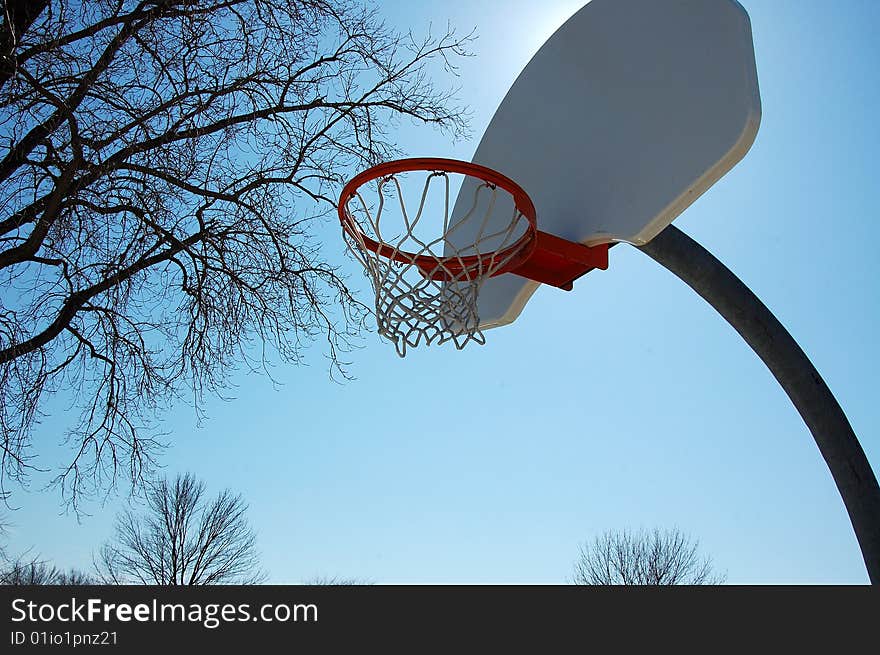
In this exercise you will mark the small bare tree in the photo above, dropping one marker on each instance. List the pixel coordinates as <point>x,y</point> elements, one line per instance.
<point>333,580</point>
<point>658,557</point>
<point>28,572</point>
<point>182,538</point>
<point>34,571</point>
<point>25,570</point>
<point>162,166</point>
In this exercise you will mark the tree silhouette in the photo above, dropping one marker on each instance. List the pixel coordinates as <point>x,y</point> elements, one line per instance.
<point>24,570</point>
<point>163,164</point>
<point>658,557</point>
<point>334,580</point>
<point>38,572</point>
<point>181,538</point>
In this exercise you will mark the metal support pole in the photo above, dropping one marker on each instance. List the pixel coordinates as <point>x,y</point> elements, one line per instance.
<point>837,442</point>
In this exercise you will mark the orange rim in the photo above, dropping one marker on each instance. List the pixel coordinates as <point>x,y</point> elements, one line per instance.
<point>444,268</point>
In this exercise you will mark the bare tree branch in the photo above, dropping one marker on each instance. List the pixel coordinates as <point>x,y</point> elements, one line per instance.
<point>182,539</point>
<point>18,16</point>
<point>38,572</point>
<point>163,166</point>
<point>658,557</point>
<point>27,569</point>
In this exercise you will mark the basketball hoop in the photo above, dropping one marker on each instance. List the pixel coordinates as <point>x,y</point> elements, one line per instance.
<point>427,269</point>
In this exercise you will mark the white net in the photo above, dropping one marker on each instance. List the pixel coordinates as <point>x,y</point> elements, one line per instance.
<point>427,266</point>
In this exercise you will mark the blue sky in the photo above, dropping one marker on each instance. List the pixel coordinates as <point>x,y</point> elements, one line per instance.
<point>626,403</point>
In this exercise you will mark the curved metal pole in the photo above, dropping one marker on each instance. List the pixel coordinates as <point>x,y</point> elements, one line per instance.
<point>837,442</point>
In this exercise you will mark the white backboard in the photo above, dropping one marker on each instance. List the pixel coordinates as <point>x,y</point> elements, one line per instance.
<point>623,118</point>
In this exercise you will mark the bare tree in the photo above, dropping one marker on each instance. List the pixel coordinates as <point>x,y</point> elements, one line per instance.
<point>34,571</point>
<point>162,165</point>
<point>182,538</point>
<point>658,557</point>
<point>28,572</point>
<point>74,577</point>
<point>333,580</point>
<point>25,570</point>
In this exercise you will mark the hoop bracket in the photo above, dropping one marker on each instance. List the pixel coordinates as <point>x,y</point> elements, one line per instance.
<point>559,262</point>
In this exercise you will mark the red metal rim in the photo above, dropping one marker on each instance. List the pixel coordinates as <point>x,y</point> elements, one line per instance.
<point>440,268</point>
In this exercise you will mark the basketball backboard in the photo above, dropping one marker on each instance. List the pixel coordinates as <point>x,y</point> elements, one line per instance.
<point>623,118</point>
